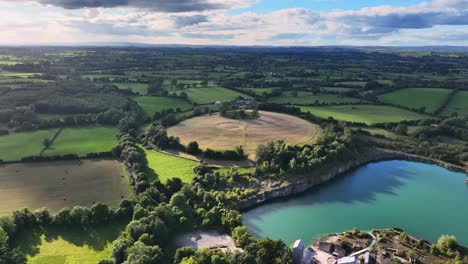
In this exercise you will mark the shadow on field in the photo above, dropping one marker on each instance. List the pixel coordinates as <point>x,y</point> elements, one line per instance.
<point>95,238</point>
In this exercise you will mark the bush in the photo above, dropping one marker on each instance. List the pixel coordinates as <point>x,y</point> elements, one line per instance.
<point>446,243</point>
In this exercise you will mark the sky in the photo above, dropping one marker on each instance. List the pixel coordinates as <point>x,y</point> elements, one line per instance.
<point>236,22</point>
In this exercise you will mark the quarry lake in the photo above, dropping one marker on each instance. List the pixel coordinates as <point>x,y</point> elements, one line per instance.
<point>424,200</point>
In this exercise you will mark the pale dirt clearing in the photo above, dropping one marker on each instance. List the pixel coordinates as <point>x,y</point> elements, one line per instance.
<point>221,133</point>
<point>207,239</point>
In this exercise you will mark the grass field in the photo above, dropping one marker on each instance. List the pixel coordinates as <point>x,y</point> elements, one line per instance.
<point>139,88</point>
<point>212,94</point>
<point>335,89</point>
<point>217,132</point>
<point>167,166</point>
<point>17,74</point>
<point>363,113</point>
<point>61,184</point>
<point>153,104</point>
<point>83,140</point>
<point>458,103</point>
<point>306,98</point>
<point>353,83</point>
<point>54,245</point>
<point>380,131</point>
<point>50,116</point>
<point>101,75</point>
<point>18,145</point>
<point>6,62</point>
<point>430,98</point>
<point>260,91</point>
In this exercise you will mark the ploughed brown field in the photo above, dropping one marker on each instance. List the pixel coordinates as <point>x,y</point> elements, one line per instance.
<point>221,133</point>
<point>61,184</point>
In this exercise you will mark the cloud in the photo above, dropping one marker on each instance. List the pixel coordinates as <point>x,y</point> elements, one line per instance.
<point>185,21</point>
<point>169,6</point>
<point>208,21</point>
<point>208,36</point>
<point>385,19</point>
<point>114,29</point>
<point>283,36</point>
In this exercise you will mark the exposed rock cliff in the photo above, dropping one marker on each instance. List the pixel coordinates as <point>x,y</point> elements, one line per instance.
<point>330,172</point>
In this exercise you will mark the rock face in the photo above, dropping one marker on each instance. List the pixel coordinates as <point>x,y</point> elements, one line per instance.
<point>307,183</point>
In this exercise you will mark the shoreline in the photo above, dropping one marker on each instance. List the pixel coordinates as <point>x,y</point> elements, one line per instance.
<point>330,172</point>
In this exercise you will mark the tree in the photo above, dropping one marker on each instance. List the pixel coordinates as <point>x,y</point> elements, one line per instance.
<point>193,148</point>
<point>242,236</point>
<point>242,114</point>
<point>100,213</point>
<point>43,216</point>
<point>119,251</point>
<point>80,216</point>
<point>183,252</point>
<point>183,95</point>
<point>255,113</point>
<point>135,229</point>
<point>46,142</point>
<point>8,255</point>
<point>401,129</point>
<point>155,86</point>
<point>140,253</point>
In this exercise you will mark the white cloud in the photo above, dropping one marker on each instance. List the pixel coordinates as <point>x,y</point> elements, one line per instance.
<point>425,23</point>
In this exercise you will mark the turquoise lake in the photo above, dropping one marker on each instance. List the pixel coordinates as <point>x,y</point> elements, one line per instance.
<point>424,200</point>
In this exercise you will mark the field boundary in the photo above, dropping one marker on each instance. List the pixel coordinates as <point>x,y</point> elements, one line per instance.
<point>52,140</point>
<point>211,163</point>
<point>447,101</point>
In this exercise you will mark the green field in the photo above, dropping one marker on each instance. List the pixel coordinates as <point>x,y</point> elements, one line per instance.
<point>353,83</point>
<point>70,245</point>
<point>212,94</point>
<point>5,62</point>
<point>139,88</point>
<point>240,170</point>
<point>335,89</point>
<point>83,140</point>
<point>50,116</point>
<point>380,131</point>
<point>458,103</point>
<point>307,98</point>
<point>368,114</point>
<point>415,98</point>
<point>167,166</point>
<point>101,75</point>
<point>17,74</point>
<point>18,145</point>
<point>260,91</point>
<point>153,104</point>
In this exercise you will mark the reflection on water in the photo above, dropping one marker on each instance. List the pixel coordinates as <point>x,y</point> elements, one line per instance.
<point>410,195</point>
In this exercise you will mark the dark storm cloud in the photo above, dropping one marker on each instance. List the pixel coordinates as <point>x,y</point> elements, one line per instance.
<point>170,6</point>
<point>185,21</point>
